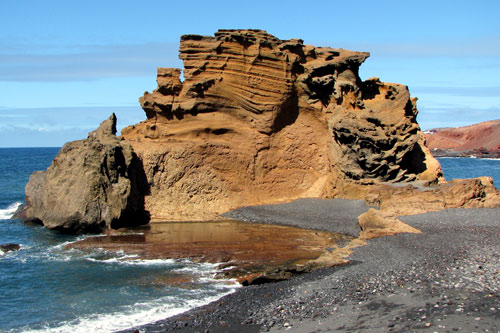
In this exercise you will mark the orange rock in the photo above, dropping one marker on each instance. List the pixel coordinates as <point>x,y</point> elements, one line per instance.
<point>409,200</point>
<point>254,120</point>
<point>261,120</point>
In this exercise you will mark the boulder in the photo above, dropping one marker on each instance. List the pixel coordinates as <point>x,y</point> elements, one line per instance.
<point>91,185</point>
<point>9,247</point>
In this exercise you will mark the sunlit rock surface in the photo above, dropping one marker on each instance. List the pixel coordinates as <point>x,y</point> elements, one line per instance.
<point>260,120</point>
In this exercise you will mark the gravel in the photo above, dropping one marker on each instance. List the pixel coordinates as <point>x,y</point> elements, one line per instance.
<point>443,280</point>
<point>337,215</point>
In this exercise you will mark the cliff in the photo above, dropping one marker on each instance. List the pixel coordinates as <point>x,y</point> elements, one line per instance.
<point>258,120</point>
<point>481,139</point>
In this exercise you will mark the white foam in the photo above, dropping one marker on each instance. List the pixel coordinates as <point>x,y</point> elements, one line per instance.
<point>471,157</point>
<point>134,262</point>
<point>201,269</point>
<point>61,246</point>
<point>57,253</point>
<point>1,253</point>
<point>7,213</point>
<point>133,315</point>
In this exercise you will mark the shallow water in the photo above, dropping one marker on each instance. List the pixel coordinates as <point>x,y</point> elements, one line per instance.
<point>93,291</point>
<point>247,246</point>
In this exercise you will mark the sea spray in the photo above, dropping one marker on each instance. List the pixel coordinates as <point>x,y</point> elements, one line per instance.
<point>99,290</point>
<point>7,213</point>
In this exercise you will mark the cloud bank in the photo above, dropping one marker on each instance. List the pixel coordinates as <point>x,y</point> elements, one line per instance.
<point>56,64</point>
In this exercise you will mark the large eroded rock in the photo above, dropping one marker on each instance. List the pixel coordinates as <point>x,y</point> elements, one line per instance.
<point>92,185</point>
<point>261,120</point>
<point>255,120</point>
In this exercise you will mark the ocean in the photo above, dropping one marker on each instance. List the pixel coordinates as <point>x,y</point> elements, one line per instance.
<point>463,167</point>
<point>45,287</point>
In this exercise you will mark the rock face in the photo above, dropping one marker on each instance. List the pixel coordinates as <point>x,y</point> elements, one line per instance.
<point>262,120</point>
<point>481,139</point>
<point>91,185</point>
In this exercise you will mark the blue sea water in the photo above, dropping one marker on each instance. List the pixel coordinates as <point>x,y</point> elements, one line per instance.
<point>460,167</point>
<point>46,287</point>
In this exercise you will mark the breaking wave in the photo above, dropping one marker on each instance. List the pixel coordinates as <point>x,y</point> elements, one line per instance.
<point>7,213</point>
<point>130,316</point>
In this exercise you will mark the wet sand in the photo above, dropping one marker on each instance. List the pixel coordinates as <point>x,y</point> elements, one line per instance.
<point>443,280</point>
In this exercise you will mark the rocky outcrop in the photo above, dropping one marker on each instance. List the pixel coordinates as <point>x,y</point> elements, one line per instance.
<point>396,201</point>
<point>481,140</point>
<point>92,185</point>
<point>261,120</point>
<point>9,247</point>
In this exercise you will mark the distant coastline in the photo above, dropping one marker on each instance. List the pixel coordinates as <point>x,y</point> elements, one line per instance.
<point>480,140</point>
<point>475,153</point>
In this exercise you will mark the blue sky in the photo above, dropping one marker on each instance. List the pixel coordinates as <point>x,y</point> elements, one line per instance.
<point>66,65</point>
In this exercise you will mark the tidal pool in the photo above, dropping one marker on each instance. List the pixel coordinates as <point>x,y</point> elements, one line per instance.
<point>249,252</point>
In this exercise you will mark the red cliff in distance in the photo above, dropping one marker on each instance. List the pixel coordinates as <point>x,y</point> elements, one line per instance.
<point>482,139</point>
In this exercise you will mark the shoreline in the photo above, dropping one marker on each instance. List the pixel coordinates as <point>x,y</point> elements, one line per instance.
<point>442,279</point>
<point>446,153</point>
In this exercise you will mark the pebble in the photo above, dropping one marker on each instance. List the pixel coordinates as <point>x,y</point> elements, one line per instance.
<point>441,270</point>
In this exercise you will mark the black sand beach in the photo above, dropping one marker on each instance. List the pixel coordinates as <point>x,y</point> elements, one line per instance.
<point>443,280</point>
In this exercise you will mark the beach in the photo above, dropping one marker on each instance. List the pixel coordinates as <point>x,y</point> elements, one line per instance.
<point>444,279</point>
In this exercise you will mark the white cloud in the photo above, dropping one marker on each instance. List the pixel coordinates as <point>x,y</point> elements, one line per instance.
<point>458,91</point>
<point>476,47</point>
<point>455,116</point>
<point>13,115</point>
<point>85,63</point>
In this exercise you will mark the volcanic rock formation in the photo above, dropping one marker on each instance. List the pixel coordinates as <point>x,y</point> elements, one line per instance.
<point>255,120</point>
<point>91,185</point>
<point>259,120</point>
<point>481,139</point>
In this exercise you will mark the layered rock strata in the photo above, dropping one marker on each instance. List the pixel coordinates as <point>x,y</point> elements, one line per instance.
<point>92,185</point>
<point>259,120</point>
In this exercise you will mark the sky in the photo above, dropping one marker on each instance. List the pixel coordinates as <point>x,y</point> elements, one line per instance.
<point>67,65</point>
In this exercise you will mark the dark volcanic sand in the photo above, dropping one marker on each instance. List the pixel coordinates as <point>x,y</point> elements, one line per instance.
<point>443,280</point>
